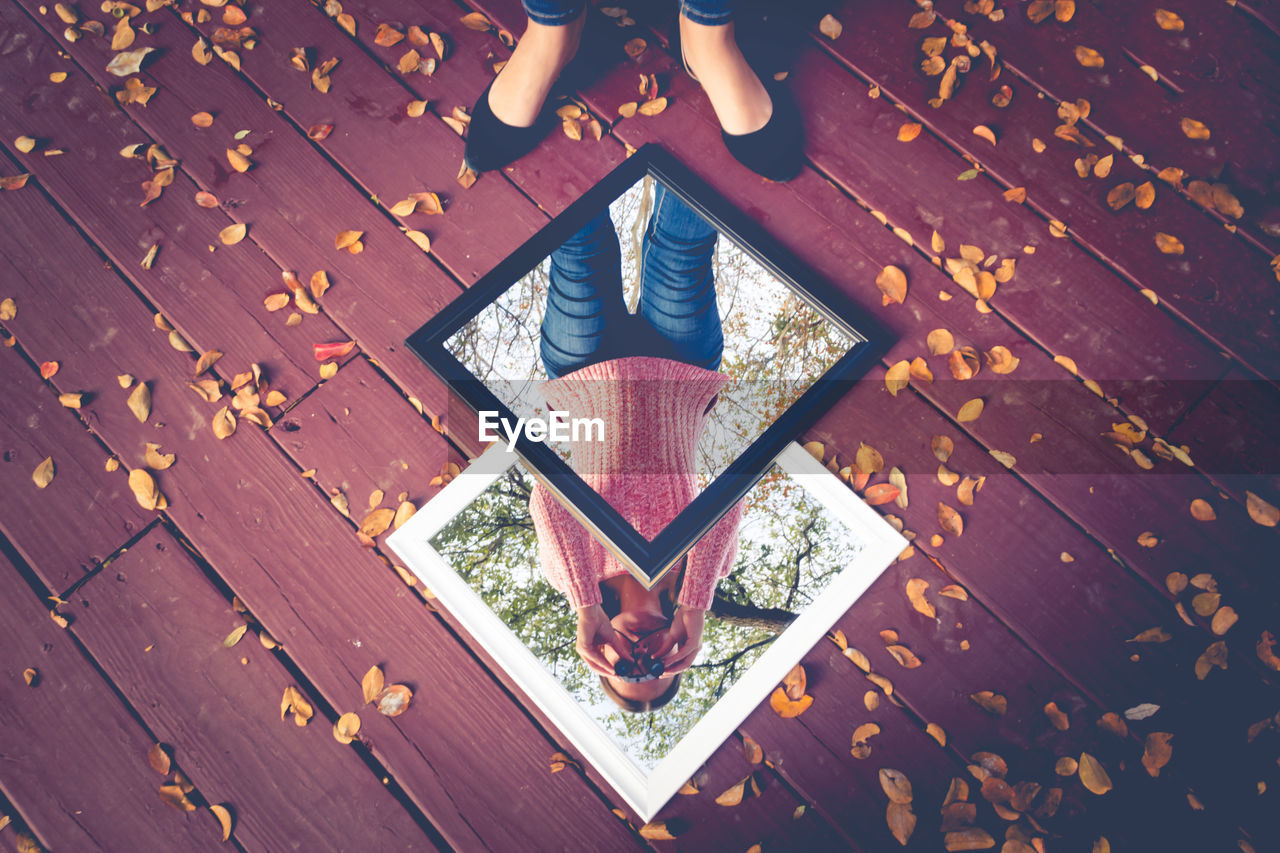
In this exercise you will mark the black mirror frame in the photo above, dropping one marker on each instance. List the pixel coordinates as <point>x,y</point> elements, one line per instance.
<point>649,560</point>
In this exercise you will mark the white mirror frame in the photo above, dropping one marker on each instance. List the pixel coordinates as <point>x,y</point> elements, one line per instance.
<point>646,792</point>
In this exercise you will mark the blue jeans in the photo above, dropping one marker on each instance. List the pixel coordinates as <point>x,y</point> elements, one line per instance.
<point>587,322</point>
<point>554,13</point>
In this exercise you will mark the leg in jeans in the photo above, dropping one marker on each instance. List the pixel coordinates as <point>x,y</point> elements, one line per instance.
<point>678,293</point>
<point>585,311</point>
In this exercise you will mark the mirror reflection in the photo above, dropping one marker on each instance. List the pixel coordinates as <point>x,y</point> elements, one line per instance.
<point>781,551</point>
<point>667,345</point>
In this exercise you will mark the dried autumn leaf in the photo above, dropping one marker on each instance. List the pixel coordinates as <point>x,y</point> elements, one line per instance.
<point>970,838</point>
<point>992,703</point>
<point>786,707</point>
<point>144,489</point>
<point>1121,195</point>
<point>662,830</point>
<point>1093,775</point>
<point>1193,129</point>
<point>377,522</point>
<point>48,369</point>
<point>233,234</point>
<point>140,402</point>
<point>128,62</point>
<point>43,475</point>
<point>1202,511</point>
<point>985,133</point>
<point>1001,360</point>
<point>1145,195</point>
<point>1057,717</point>
<point>235,636</point>
<point>897,377</point>
<point>652,107</point>
<point>904,656</point>
<point>896,785</point>
<point>223,423</point>
<point>909,131</point>
<point>1088,57</point>
<point>830,27</point>
<point>336,349</point>
<point>1261,511</point>
<point>901,821</point>
<point>1157,751</point>
<point>915,594</point>
<point>346,239</point>
<point>1151,635</point>
<point>970,411</point>
<point>238,161</point>
<point>733,795</point>
<point>393,700</point>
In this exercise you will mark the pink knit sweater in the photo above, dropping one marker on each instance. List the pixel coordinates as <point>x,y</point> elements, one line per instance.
<point>654,411</point>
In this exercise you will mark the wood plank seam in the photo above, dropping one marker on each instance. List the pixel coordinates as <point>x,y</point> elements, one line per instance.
<point>1086,246</point>
<point>1246,233</point>
<point>44,595</point>
<point>325,709</point>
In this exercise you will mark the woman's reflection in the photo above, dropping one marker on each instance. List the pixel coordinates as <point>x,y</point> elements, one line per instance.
<point>652,377</point>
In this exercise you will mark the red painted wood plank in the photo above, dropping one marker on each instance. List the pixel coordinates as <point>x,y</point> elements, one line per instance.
<point>1079,614</point>
<point>466,753</point>
<point>75,759</point>
<point>376,143</point>
<point>1129,104</point>
<point>359,434</point>
<point>1232,432</point>
<point>1216,263</point>
<point>212,298</point>
<point>33,426</point>
<point>316,203</point>
<point>155,624</point>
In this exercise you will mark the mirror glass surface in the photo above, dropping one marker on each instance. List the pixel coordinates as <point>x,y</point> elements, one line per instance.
<point>651,282</point>
<point>789,548</point>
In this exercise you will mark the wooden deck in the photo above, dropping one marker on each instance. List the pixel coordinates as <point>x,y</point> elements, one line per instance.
<point>1065,558</point>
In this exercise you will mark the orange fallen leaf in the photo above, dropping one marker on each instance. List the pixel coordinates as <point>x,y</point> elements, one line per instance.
<point>830,27</point>
<point>909,131</point>
<point>786,707</point>
<point>394,700</point>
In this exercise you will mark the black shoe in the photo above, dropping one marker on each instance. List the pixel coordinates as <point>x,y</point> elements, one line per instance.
<point>775,151</point>
<point>492,143</point>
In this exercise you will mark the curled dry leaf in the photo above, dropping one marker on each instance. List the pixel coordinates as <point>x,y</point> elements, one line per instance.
<point>238,161</point>
<point>940,342</point>
<point>794,683</point>
<point>140,402</point>
<point>1168,244</point>
<point>786,707</point>
<point>336,349</point>
<point>901,821</point>
<point>904,656</point>
<point>144,489</point>
<point>376,522</point>
<point>1157,751</point>
<point>751,750</point>
<point>346,239</point>
<point>158,758</point>
<point>223,423</point>
<point>992,703</point>
<point>1261,511</point>
<point>43,475</point>
<point>896,785</point>
<point>985,133</point>
<point>393,700</point>
<point>346,727</point>
<point>942,447</point>
<point>1194,129</point>
<point>1088,57</point>
<point>915,594</point>
<point>1201,510</point>
<point>733,795</point>
<point>128,62</point>
<point>224,819</point>
<point>893,285</point>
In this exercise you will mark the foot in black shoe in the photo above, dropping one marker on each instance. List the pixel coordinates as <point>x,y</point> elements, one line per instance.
<point>775,151</point>
<point>492,143</point>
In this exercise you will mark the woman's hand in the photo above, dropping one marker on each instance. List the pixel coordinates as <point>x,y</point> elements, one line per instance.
<point>679,643</point>
<point>595,632</point>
